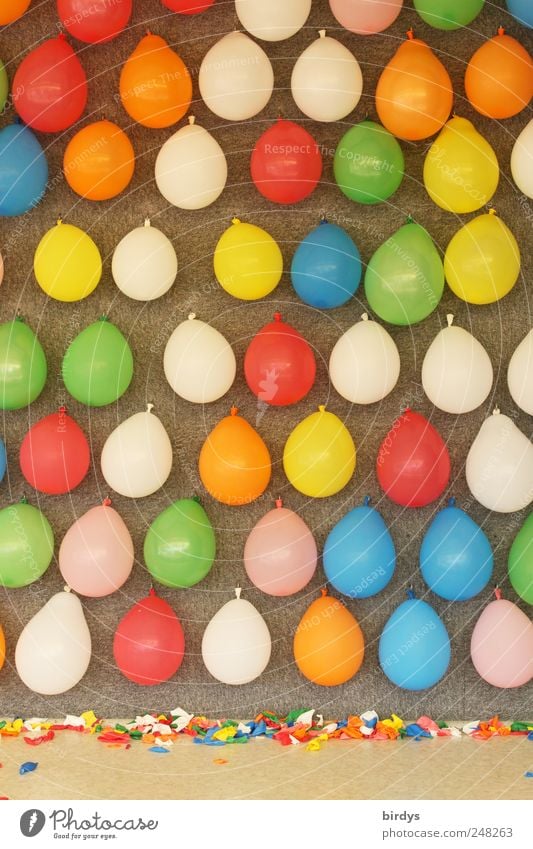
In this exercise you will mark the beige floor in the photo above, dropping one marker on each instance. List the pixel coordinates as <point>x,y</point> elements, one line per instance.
<point>78,767</point>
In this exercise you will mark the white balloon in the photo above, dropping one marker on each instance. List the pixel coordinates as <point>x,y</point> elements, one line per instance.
<point>499,466</point>
<point>199,362</point>
<point>144,264</point>
<point>236,78</point>
<point>137,456</point>
<point>326,80</point>
<point>520,374</point>
<point>457,372</point>
<point>364,365</point>
<point>191,169</point>
<point>522,160</point>
<point>236,644</point>
<point>274,20</point>
<point>54,649</point>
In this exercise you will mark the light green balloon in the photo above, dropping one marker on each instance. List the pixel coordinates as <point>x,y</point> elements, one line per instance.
<point>98,365</point>
<point>180,546</point>
<point>23,366</point>
<point>448,14</point>
<point>521,561</point>
<point>4,85</point>
<point>368,164</point>
<point>26,545</point>
<point>404,280</point>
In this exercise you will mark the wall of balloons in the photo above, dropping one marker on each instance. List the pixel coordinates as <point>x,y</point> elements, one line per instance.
<point>403,284</point>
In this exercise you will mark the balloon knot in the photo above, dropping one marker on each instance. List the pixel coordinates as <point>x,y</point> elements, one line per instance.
<point>407,410</point>
<point>449,319</point>
<point>191,316</point>
<point>323,591</point>
<point>147,222</point>
<point>19,317</point>
<point>148,32</point>
<point>323,219</point>
<point>103,318</point>
<point>277,316</point>
<point>409,219</point>
<point>497,593</point>
<point>501,31</point>
<point>59,221</point>
<point>321,408</point>
<point>234,410</point>
<point>322,33</point>
<point>62,36</point>
<point>235,220</point>
<point>279,502</point>
<point>452,501</point>
<point>192,119</point>
<point>67,589</point>
<point>366,500</point>
<point>238,591</point>
<point>492,211</point>
<point>496,411</point>
<point>410,34</point>
<point>106,502</point>
<point>23,500</point>
<point>62,410</point>
<point>149,408</point>
<point>411,593</point>
<point>364,317</point>
<point>151,592</point>
<point>196,498</point>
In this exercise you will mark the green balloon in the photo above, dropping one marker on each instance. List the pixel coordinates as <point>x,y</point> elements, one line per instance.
<point>368,164</point>
<point>23,366</point>
<point>448,14</point>
<point>4,85</point>
<point>98,365</point>
<point>521,561</point>
<point>404,279</point>
<point>180,547</point>
<point>26,545</point>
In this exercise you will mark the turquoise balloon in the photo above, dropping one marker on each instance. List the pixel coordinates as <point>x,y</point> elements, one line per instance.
<point>326,268</point>
<point>23,170</point>
<point>359,555</point>
<point>522,10</point>
<point>456,558</point>
<point>414,648</point>
<point>3,460</point>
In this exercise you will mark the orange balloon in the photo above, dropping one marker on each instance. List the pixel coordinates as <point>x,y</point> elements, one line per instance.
<point>12,10</point>
<point>2,647</point>
<point>234,464</point>
<point>328,645</point>
<point>155,84</point>
<point>414,94</point>
<point>499,77</point>
<point>99,161</point>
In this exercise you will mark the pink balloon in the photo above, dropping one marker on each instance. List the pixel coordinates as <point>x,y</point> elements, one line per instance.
<point>366,17</point>
<point>502,645</point>
<point>96,555</point>
<point>280,553</point>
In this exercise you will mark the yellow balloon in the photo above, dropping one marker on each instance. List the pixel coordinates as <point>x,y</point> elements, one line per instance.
<point>67,263</point>
<point>461,170</point>
<point>248,262</point>
<point>319,455</point>
<point>482,261</point>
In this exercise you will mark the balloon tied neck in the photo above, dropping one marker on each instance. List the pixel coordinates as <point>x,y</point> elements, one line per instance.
<point>364,317</point>
<point>103,318</point>
<point>149,408</point>
<point>321,33</point>
<point>409,219</point>
<point>279,503</point>
<point>23,500</point>
<point>238,591</point>
<point>497,593</point>
<point>501,31</point>
<point>151,592</point>
<point>59,222</point>
<point>411,593</point>
<point>366,500</point>
<point>323,591</point>
<point>62,411</point>
<point>235,220</point>
<point>148,32</point>
<point>407,410</point>
<point>196,498</point>
<point>191,316</point>
<point>410,34</point>
<point>67,589</point>
<point>496,411</point>
<point>452,501</point>
<point>492,211</point>
<point>449,319</point>
<point>321,408</point>
<point>62,36</point>
<point>19,317</point>
<point>106,502</point>
<point>234,410</point>
<point>147,222</point>
<point>192,119</point>
<point>277,316</point>
<point>323,219</point>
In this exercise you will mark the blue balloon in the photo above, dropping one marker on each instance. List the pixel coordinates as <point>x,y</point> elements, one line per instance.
<point>414,648</point>
<point>522,10</point>
<point>359,555</point>
<point>326,268</point>
<point>456,558</point>
<point>23,170</point>
<point>3,460</point>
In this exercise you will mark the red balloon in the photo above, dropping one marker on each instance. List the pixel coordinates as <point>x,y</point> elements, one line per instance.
<point>50,87</point>
<point>279,364</point>
<point>94,21</point>
<point>54,455</point>
<point>286,163</point>
<point>413,465</point>
<point>149,642</point>
<point>188,7</point>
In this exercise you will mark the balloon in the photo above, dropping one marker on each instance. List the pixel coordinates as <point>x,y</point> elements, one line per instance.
<point>499,465</point>
<point>94,21</point>
<point>279,365</point>
<point>236,78</point>
<point>414,94</point>
<point>23,170</point>
<point>67,263</point>
<point>359,553</point>
<point>280,553</point>
<point>248,262</point>
<point>2,647</point>
<point>319,455</point>
<point>50,87</point>
<point>12,10</point>
<point>199,362</point>
<point>144,264</point>
<point>520,374</point>
<point>26,545</point>
<point>413,464</point>
<point>98,365</point>
<point>521,561</point>
<point>180,545</point>
<point>54,650</point>
<point>522,160</point>
<point>96,556</point>
<point>368,164</point>
<point>234,462</point>
<point>137,455</point>
<point>1,268</point>
<point>23,367</point>
<point>188,7</point>
<point>522,11</point>
<point>499,77</point>
<point>448,14</point>
<point>54,454</point>
<point>3,460</point>
<point>155,84</point>
<point>4,85</point>
<point>149,643</point>
<point>272,21</point>
<point>236,644</point>
<point>461,171</point>
<point>366,17</point>
<point>326,268</point>
<point>329,646</point>
<point>456,558</point>
<point>502,645</point>
<point>191,169</point>
<point>99,161</point>
<point>364,365</point>
<point>482,261</point>
<point>326,81</point>
<point>404,279</point>
<point>456,372</point>
<point>414,648</point>
<point>286,164</point>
